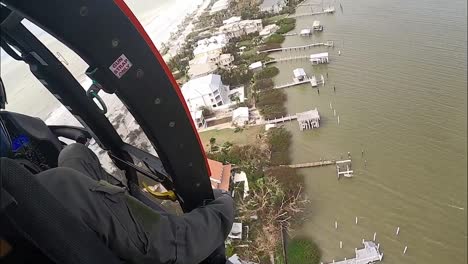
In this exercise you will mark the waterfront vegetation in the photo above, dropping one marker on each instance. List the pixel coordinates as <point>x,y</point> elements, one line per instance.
<point>275,38</point>
<point>271,103</point>
<point>276,198</point>
<point>286,25</point>
<point>266,73</point>
<point>303,250</point>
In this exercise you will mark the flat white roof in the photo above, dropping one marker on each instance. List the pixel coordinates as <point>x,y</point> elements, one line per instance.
<point>319,55</point>
<point>201,69</point>
<point>316,23</point>
<point>225,56</point>
<point>232,20</point>
<point>256,65</point>
<point>311,114</point>
<point>305,31</point>
<point>219,5</point>
<point>198,114</point>
<point>240,112</point>
<point>299,72</point>
<point>201,86</point>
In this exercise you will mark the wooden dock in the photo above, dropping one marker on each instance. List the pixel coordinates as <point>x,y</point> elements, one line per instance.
<point>367,255</point>
<point>287,59</point>
<point>330,10</point>
<point>319,44</point>
<point>281,119</point>
<point>313,82</point>
<point>311,164</point>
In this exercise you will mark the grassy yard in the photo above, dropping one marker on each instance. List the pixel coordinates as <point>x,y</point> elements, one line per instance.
<point>244,137</point>
<point>246,43</point>
<point>273,19</point>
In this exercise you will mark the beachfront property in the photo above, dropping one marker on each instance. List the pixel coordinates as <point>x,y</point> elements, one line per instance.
<point>308,120</point>
<point>225,60</point>
<point>231,20</point>
<point>319,58</point>
<point>200,70</point>
<point>207,91</point>
<point>212,45</point>
<point>240,116</point>
<point>235,27</point>
<point>207,63</point>
<point>199,119</point>
<point>273,6</point>
<point>219,5</point>
<point>220,175</point>
<point>268,30</point>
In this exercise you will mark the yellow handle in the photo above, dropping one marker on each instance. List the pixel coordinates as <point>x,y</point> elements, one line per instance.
<point>169,195</point>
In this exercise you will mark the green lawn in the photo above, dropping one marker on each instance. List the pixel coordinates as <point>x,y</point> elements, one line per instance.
<point>275,18</point>
<point>302,250</point>
<point>246,43</point>
<point>244,137</point>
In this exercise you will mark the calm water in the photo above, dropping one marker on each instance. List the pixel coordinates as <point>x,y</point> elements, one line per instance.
<point>401,97</point>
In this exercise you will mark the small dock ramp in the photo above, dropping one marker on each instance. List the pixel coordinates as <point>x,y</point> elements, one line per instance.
<point>367,255</point>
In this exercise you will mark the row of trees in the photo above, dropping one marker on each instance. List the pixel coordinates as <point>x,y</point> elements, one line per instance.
<point>276,196</point>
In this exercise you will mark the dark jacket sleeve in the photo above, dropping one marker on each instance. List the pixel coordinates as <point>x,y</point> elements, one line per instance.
<point>135,232</point>
<point>204,229</point>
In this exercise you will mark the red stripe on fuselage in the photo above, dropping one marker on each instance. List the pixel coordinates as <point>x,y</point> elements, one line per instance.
<point>126,10</point>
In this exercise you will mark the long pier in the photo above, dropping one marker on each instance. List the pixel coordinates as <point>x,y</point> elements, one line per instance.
<point>287,59</point>
<point>281,119</point>
<point>326,11</point>
<point>311,164</point>
<point>326,44</point>
<point>313,82</point>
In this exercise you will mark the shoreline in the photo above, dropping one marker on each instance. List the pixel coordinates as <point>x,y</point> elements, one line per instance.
<point>60,115</point>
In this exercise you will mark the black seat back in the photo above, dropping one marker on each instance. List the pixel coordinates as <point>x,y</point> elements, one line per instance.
<point>42,220</point>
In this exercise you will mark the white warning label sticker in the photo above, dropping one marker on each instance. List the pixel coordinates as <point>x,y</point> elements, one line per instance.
<point>120,66</point>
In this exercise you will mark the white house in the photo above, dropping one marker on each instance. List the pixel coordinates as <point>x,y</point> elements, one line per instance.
<point>231,20</point>
<point>200,70</point>
<point>272,6</point>
<point>198,119</point>
<point>240,28</point>
<point>219,5</point>
<point>209,49</point>
<point>207,91</point>
<point>268,30</point>
<point>220,38</point>
<point>240,116</point>
<point>211,46</point>
<point>225,60</point>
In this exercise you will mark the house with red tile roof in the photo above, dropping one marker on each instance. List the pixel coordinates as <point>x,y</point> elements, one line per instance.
<point>220,175</point>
